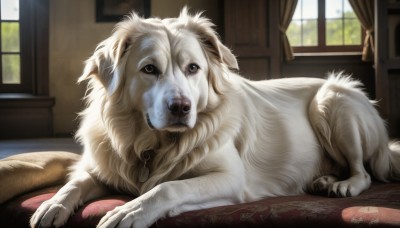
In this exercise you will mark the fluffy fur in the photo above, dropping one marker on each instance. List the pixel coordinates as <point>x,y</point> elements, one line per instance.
<point>163,95</point>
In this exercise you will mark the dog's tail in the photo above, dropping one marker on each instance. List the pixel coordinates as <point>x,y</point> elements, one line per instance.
<point>385,165</point>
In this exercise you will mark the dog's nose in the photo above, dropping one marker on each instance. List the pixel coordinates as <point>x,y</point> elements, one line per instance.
<point>179,106</point>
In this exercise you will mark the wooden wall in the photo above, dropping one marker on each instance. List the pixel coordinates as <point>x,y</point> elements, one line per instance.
<point>250,31</point>
<point>321,66</point>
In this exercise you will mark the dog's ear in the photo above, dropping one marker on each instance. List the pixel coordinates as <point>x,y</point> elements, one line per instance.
<point>107,64</point>
<point>204,29</point>
<point>104,65</point>
<point>228,57</point>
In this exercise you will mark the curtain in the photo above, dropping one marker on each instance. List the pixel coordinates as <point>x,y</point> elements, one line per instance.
<point>287,8</point>
<point>364,9</point>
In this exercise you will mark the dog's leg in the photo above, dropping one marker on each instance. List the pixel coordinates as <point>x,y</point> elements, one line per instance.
<point>219,183</point>
<point>56,211</point>
<point>347,151</point>
<point>348,128</point>
<point>172,198</point>
<point>349,145</point>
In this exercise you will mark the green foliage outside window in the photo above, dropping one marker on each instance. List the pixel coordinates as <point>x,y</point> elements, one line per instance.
<point>10,53</point>
<point>341,25</point>
<point>305,33</point>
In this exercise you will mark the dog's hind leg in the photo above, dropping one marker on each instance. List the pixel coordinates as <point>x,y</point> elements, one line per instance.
<point>348,143</point>
<point>340,115</point>
<point>346,152</point>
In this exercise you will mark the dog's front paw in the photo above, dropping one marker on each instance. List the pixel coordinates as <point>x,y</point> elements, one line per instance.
<point>130,214</point>
<point>50,214</point>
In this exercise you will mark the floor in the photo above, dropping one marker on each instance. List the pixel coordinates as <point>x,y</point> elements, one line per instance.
<point>10,147</point>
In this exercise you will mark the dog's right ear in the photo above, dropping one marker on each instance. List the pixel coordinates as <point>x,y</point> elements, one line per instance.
<point>204,29</point>
<point>107,64</point>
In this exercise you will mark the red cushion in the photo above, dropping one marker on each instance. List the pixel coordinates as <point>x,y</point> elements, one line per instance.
<point>379,206</point>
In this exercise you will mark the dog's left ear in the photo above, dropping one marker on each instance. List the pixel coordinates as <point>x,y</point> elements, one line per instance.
<point>225,54</point>
<point>207,35</point>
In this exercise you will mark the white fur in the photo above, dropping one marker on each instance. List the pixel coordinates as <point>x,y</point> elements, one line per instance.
<point>240,142</point>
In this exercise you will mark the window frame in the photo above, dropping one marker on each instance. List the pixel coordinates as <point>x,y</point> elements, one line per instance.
<point>322,47</point>
<point>34,29</point>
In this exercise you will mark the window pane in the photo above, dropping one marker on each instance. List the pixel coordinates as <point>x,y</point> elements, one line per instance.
<point>294,33</point>
<point>9,9</point>
<point>310,9</point>
<point>10,37</point>
<point>297,12</point>
<point>11,69</point>
<point>348,10</point>
<point>352,32</point>
<point>334,32</point>
<point>333,9</point>
<point>310,33</point>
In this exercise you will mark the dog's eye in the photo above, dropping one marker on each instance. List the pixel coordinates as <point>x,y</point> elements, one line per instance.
<point>150,69</point>
<point>192,68</point>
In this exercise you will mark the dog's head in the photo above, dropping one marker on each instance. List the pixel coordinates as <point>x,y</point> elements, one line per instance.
<point>169,70</point>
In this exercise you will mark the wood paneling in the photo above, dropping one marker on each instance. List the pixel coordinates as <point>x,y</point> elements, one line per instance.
<point>321,66</point>
<point>25,116</point>
<point>394,103</point>
<point>41,15</point>
<point>387,66</point>
<point>249,36</point>
<point>254,68</point>
<point>251,31</point>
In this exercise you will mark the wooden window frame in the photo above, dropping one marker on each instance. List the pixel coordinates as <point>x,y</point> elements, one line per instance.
<point>34,32</point>
<point>322,47</point>
<point>26,111</point>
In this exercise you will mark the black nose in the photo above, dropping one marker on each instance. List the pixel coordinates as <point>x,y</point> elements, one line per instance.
<point>179,106</point>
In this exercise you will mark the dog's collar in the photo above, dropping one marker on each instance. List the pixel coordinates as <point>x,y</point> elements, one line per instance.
<point>144,171</point>
<point>149,121</point>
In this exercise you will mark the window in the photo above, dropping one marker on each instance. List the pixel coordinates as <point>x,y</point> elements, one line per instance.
<point>23,46</point>
<point>10,48</point>
<point>325,26</point>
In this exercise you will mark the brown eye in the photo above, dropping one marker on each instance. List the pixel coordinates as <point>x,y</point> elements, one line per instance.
<point>192,68</point>
<point>150,69</point>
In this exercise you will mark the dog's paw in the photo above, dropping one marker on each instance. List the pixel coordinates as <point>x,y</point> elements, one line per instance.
<point>333,188</point>
<point>50,214</point>
<point>350,187</point>
<point>322,184</point>
<point>341,189</point>
<point>128,215</point>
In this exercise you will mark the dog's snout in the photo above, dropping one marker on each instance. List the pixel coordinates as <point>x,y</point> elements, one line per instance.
<point>179,106</point>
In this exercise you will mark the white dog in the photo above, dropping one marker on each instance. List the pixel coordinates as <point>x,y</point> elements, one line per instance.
<point>170,121</point>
